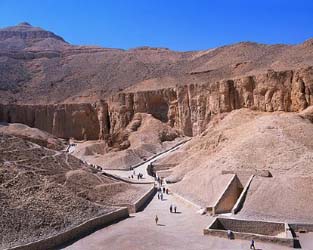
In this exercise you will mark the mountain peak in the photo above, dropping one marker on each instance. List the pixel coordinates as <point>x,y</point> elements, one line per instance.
<point>25,36</point>
<point>24,24</point>
<point>28,33</point>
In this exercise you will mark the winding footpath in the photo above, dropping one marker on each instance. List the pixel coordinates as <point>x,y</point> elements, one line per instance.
<point>182,230</point>
<point>142,168</point>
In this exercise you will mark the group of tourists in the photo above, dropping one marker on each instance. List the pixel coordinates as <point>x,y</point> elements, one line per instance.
<point>158,180</point>
<point>161,192</point>
<point>173,209</point>
<point>139,176</point>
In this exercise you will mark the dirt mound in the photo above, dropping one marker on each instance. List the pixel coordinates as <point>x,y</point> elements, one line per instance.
<point>144,137</point>
<point>32,134</point>
<point>44,192</point>
<point>244,141</point>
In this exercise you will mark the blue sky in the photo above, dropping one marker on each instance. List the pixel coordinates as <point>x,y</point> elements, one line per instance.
<point>179,25</point>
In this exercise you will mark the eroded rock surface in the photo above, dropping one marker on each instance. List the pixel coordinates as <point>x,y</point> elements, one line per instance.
<point>188,108</point>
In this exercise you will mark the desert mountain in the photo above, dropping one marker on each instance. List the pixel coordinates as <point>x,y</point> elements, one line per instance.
<point>38,66</point>
<point>26,37</point>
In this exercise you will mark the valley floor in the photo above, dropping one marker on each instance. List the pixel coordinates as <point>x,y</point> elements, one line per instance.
<point>182,230</point>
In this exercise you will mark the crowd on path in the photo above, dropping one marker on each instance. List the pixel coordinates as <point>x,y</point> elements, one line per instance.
<point>161,191</point>
<point>139,176</point>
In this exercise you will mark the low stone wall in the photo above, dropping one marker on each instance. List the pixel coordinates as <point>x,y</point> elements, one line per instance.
<point>228,198</point>
<point>140,203</point>
<point>239,204</point>
<point>158,154</point>
<point>248,230</point>
<point>143,200</point>
<point>76,232</point>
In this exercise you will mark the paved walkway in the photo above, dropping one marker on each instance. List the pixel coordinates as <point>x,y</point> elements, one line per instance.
<point>175,231</point>
<point>142,169</point>
<point>183,230</point>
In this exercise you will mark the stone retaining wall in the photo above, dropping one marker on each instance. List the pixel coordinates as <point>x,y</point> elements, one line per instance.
<point>76,232</point>
<point>158,154</point>
<point>143,200</point>
<point>248,230</point>
<point>140,203</point>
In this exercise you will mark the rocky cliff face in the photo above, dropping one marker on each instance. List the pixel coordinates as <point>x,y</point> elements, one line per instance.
<point>191,107</point>
<point>78,121</point>
<point>188,108</point>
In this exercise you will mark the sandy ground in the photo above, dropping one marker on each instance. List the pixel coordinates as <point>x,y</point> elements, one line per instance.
<point>175,231</point>
<point>280,199</point>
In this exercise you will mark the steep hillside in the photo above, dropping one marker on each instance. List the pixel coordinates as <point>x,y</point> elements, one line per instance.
<point>38,66</point>
<point>247,142</point>
<point>44,192</point>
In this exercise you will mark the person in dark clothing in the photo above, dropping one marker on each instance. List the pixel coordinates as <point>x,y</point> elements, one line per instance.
<point>252,245</point>
<point>163,189</point>
<point>167,191</point>
<point>175,209</point>
<point>171,208</point>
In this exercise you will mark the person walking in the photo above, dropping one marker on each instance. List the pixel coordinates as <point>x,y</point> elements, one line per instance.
<point>166,191</point>
<point>175,209</point>
<point>229,234</point>
<point>156,220</point>
<point>171,208</point>
<point>252,245</point>
<point>161,195</point>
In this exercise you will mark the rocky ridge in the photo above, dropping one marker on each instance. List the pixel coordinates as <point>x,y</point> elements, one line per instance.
<point>188,108</point>
<point>39,67</point>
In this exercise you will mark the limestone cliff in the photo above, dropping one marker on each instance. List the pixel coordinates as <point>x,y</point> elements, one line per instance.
<point>188,108</point>
<point>77,121</point>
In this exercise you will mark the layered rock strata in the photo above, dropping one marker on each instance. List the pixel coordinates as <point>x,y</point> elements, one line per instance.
<point>188,108</point>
